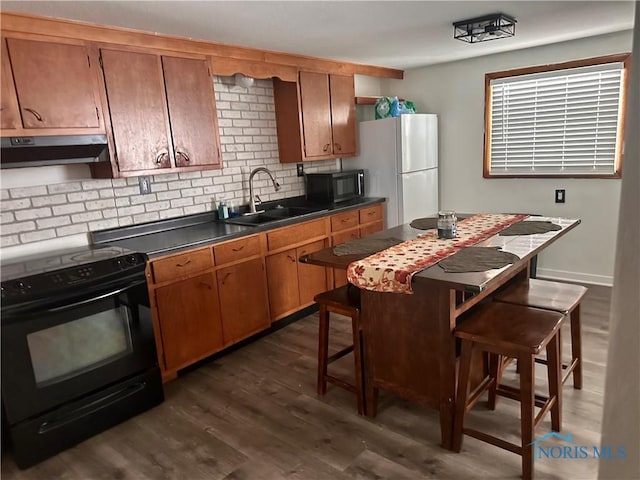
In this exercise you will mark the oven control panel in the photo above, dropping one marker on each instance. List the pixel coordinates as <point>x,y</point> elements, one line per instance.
<point>62,281</point>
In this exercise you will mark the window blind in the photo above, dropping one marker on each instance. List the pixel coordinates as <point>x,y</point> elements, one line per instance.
<point>562,122</point>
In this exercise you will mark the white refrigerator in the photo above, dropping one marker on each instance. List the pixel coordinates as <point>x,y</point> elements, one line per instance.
<point>400,158</point>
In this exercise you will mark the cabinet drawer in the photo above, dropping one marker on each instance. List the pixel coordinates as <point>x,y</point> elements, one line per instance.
<point>180,265</point>
<point>371,214</point>
<point>345,220</point>
<point>236,250</point>
<point>295,234</point>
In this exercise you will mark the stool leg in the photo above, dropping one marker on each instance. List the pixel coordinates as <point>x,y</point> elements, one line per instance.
<point>576,347</point>
<point>495,372</point>
<point>462,394</point>
<point>527,389</point>
<point>357,357</point>
<point>554,375</point>
<point>323,349</point>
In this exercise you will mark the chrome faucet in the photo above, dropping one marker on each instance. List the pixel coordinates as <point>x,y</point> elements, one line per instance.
<point>252,197</point>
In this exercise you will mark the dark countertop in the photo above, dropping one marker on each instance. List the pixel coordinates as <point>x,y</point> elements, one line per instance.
<point>174,235</point>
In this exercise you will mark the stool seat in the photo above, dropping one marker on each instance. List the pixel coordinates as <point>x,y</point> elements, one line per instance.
<point>345,301</point>
<point>521,332</point>
<point>559,297</point>
<point>510,327</point>
<point>556,296</point>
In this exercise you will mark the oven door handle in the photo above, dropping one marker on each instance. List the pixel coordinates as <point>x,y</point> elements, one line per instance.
<point>94,299</point>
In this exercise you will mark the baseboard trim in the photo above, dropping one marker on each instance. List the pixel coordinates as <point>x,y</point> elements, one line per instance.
<point>576,277</point>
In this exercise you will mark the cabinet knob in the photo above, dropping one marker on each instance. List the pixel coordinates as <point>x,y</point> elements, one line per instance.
<point>34,113</point>
<point>326,147</point>
<point>338,147</point>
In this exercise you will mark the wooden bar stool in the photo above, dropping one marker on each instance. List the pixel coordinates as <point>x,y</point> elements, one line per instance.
<point>559,297</point>
<point>503,329</point>
<point>344,301</point>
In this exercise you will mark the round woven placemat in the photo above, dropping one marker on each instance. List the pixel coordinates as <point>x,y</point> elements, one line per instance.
<point>530,227</point>
<point>365,245</point>
<point>424,223</point>
<point>477,259</point>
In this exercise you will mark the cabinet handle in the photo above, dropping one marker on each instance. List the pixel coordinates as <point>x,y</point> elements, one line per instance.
<point>338,147</point>
<point>34,113</point>
<point>293,259</point>
<point>326,147</point>
<point>183,155</point>
<point>238,249</point>
<point>224,279</point>
<point>2,108</point>
<point>160,157</point>
<point>183,264</point>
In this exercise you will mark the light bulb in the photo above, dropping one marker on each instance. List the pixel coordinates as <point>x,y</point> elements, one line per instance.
<point>243,81</point>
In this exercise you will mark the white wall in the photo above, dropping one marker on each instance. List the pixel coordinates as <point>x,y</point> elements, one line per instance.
<point>455,91</point>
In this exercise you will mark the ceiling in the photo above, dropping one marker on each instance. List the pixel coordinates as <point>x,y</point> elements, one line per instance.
<point>392,34</point>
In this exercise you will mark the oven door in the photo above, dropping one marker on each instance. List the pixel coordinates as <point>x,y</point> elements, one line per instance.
<point>55,354</point>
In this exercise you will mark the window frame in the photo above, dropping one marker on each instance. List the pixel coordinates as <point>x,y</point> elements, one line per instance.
<point>623,58</point>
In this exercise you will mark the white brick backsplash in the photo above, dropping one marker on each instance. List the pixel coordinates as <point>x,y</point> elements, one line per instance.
<point>86,217</point>
<point>72,229</point>
<point>181,202</point>
<point>7,217</point>
<point>146,217</point>
<point>33,213</point>
<point>28,192</point>
<point>49,200</point>
<point>154,207</point>
<point>246,120</point>
<point>136,209</point>
<point>37,236</point>
<point>170,195</point>
<point>100,204</point>
<point>65,187</point>
<point>68,208</point>
<point>103,224</point>
<point>83,196</point>
<point>53,222</point>
<point>9,240</point>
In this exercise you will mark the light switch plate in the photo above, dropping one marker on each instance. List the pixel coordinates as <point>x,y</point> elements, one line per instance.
<point>145,185</point>
<point>300,169</point>
<point>560,196</point>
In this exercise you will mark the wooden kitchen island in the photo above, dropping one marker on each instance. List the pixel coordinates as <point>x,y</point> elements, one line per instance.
<point>409,346</point>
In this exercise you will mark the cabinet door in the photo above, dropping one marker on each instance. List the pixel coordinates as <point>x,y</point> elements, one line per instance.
<point>137,105</point>
<point>316,114</point>
<point>189,317</point>
<point>9,114</point>
<point>282,278</point>
<point>343,114</point>
<point>192,112</point>
<point>312,279</point>
<point>243,300</point>
<point>370,228</point>
<point>54,84</point>
<point>339,275</point>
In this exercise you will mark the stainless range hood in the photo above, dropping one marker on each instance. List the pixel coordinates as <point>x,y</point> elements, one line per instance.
<point>54,150</point>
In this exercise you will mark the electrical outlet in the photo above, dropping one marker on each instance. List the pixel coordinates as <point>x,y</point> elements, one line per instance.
<point>560,196</point>
<point>145,185</point>
<point>300,168</point>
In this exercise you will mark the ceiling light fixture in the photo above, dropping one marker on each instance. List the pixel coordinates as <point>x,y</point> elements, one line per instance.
<point>243,81</point>
<point>482,29</point>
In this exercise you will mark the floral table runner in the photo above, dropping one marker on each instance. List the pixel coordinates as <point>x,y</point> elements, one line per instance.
<point>391,270</point>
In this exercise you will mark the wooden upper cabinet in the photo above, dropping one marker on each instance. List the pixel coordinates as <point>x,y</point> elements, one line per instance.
<point>138,111</point>
<point>316,117</point>
<point>162,112</point>
<point>192,111</point>
<point>343,114</point>
<point>9,113</point>
<point>316,114</point>
<point>55,86</point>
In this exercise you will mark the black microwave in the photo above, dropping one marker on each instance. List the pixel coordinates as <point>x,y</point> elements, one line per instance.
<point>334,187</point>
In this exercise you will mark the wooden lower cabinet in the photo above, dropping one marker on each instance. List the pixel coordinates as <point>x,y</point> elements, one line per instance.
<point>244,305</point>
<point>292,285</point>
<point>189,318</point>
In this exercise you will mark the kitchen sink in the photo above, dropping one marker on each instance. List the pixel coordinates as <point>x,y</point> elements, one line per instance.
<point>273,215</point>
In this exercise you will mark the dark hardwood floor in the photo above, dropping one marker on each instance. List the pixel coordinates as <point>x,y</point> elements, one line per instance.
<point>254,414</point>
